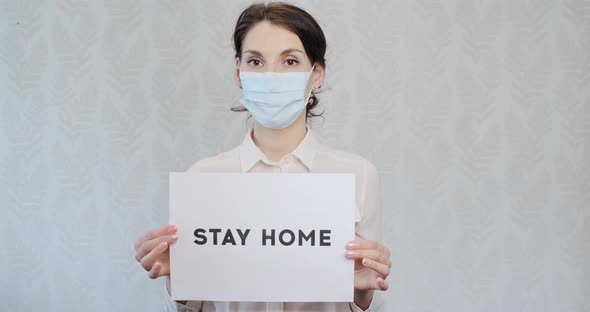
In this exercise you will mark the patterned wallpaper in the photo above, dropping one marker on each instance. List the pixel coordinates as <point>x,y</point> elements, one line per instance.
<point>476,113</point>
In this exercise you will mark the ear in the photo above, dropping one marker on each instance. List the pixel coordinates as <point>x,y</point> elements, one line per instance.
<point>237,73</point>
<point>317,77</point>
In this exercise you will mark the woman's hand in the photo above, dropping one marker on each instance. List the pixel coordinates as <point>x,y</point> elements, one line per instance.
<point>152,250</point>
<point>372,264</point>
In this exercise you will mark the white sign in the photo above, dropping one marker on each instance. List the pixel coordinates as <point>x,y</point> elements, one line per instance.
<point>262,237</point>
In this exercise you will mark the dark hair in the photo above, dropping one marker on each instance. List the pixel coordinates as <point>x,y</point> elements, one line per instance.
<point>295,20</point>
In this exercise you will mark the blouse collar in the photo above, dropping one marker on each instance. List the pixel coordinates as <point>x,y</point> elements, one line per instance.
<point>250,154</point>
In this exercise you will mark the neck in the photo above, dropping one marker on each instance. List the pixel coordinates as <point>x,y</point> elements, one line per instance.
<point>276,143</point>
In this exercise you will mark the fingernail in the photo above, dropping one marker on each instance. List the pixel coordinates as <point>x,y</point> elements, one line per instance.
<point>350,254</point>
<point>174,237</point>
<point>163,245</point>
<point>365,261</point>
<point>350,245</point>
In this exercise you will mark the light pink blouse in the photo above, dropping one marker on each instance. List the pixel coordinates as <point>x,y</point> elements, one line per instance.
<point>309,156</point>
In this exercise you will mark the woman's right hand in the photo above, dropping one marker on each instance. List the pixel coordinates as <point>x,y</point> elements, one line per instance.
<point>152,250</point>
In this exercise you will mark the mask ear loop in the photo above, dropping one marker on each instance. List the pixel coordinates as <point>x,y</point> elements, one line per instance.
<point>310,89</point>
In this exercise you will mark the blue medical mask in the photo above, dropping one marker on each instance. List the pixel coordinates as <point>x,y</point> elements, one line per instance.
<point>275,100</point>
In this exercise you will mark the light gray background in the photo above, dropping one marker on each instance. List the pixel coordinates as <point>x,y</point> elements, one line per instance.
<point>476,113</point>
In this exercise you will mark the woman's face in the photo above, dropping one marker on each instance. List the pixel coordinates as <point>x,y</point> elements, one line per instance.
<point>270,48</point>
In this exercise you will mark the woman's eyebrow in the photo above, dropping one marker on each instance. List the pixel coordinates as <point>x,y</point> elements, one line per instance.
<point>256,53</point>
<point>291,51</point>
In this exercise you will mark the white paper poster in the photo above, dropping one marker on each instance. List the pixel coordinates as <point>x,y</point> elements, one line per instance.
<point>262,237</point>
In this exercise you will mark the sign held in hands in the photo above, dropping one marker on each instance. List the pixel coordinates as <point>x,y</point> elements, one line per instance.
<point>262,237</point>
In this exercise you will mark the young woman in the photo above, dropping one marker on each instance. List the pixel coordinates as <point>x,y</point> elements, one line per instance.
<point>280,66</point>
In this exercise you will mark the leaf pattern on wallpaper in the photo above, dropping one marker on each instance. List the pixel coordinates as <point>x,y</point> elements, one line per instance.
<point>476,114</point>
<point>78,115</point>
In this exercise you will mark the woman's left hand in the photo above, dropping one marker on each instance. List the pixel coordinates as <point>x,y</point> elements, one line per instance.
<point>372,264</point>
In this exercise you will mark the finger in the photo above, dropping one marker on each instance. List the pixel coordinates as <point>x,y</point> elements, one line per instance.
<point>155,271</point>
<point>367,253</point>
<point>368,244</point>
<point>159,270</point>
<point>167,229</point>
<point>378,267</point>
<point>363,244</point>
<point>164,269</point>
<point>148,261</point>
<point>151,244</point>
<point>382,284</point>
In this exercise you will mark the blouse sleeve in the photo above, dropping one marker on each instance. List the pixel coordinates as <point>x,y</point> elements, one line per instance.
<point>174,306</point>
<point>369,225</point>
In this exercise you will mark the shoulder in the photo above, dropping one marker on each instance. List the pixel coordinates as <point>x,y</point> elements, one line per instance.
<point>226,161</point>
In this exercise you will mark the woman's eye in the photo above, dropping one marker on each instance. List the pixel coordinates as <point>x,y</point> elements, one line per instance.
<point>292,62</point>
<point>254,62</point>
